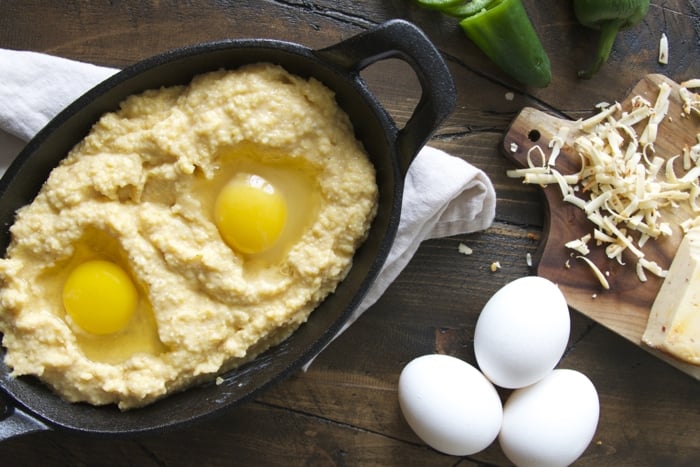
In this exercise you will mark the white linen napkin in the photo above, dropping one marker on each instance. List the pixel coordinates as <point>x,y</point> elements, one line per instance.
<point>443,195</point>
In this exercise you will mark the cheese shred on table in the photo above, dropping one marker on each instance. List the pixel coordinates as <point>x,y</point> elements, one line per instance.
<point>623,186</point>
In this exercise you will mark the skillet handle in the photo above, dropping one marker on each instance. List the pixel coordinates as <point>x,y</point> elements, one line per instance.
<point>15,422</point>
<point>403,40</point>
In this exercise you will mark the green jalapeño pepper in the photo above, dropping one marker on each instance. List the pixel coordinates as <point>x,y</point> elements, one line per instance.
<point>504,32</point>
<point>439,4</point>
<point>609,16</point>
<point>457,8</point>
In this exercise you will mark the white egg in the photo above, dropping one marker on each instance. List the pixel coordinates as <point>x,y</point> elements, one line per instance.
<point>522,332</point>
<point>449,404</point>
<point>552,422</point>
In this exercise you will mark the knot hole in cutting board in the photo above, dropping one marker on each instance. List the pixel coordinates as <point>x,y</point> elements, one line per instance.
<point>534,135</point>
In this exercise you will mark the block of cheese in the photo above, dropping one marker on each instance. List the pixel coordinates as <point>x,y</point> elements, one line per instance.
<point>674,322</point>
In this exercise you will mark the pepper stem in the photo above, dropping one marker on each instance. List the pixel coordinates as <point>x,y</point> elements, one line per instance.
<point>608,33</point>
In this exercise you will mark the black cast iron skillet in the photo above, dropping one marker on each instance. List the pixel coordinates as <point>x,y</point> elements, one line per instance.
<point>31,406</point>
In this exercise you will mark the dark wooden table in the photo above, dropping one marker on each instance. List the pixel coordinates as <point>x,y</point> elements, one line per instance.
<point>344,410</point>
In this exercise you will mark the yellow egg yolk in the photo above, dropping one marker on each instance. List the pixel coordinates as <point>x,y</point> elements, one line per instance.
<point>250,213</point>
<point>100,297</point>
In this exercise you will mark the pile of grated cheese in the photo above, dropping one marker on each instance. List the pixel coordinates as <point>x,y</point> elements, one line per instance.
<point>623,186</point>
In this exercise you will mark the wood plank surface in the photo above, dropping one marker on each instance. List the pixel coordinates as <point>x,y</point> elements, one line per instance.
<point>344,410</point>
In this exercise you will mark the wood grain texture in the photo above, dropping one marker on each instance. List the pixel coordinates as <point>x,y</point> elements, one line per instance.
<point>344,410</point>
<point>624,308</point>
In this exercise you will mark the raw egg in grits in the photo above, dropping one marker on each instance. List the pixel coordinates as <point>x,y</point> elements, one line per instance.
<point>262,201</point>
<point>100,297</point>
<point>250,213</point>
<point>110,314</point>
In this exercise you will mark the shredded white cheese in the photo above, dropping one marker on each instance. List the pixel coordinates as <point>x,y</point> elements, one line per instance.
<point>657,115</point>
<point>623,186</point>
<point>598,274</point>
<point>580,245</point>
<point>464,249</point>
<point>663,49</point>
<point>556,143</point>
<point>690,100</point>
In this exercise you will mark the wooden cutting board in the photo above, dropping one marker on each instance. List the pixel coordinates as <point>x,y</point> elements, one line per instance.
<point>624,308</point>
